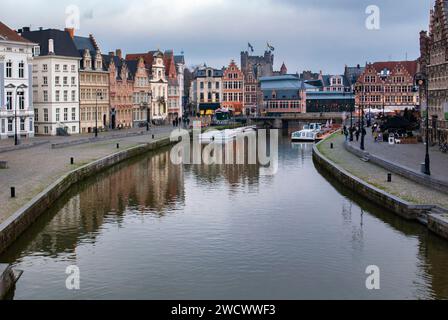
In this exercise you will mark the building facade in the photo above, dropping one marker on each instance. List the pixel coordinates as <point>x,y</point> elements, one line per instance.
<point>55,82</point>
<point>206,90</point>
<point>121,91</point>
<point>233,89</point>
<point>434,63</point>
<point>180,66</point>
<point>159,88</point>
<point>142,91</point>
<point>283,95</point>
<point>174,101</point>
<point>155,63</point>
<point>16,84</point>
<point>254,68</point>
<point>388,85</point>
<point>94,103</point>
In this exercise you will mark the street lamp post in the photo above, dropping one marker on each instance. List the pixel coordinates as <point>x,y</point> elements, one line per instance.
<point>148,111</point>
<point>361,120</point>
<point>362,130</point>
<point>384,74</point>
<point>421,80</point>
<point>98,94</point>
<point>351,123</point>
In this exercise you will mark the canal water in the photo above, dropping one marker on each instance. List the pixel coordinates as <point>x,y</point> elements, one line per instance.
<point>147,229</point>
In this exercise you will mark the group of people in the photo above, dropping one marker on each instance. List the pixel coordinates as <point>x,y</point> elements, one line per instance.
<point>355,132</point>
<point>352,132</point>
<point>178,121</point>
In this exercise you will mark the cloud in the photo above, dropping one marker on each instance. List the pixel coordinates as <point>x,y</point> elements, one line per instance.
<point>308,34</point>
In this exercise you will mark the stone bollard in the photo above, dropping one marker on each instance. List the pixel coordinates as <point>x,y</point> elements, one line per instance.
<point>13,192</point>
<point>389,177</point>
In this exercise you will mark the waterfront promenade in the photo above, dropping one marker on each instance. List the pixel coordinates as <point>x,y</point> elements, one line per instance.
<point>377,176</point>
<point>409,156</point>
<point>32,170</point>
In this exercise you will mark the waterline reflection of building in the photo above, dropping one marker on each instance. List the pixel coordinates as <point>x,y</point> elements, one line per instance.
<point>148,186</point>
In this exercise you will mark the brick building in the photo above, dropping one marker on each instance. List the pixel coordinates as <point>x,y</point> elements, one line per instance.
<point>175,90</point>
<point>155,63</point>
<point>233,89</point>
<point>388,84</point>
<point>141,91</point>
<point>254,68</point>
<point>121,91</point>
<point>434,62</point>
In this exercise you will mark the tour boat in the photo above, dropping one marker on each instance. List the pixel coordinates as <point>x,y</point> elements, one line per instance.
<point>224,135</point>
<point>310,133</point>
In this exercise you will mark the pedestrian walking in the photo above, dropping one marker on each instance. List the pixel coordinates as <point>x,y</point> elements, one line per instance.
<point>357,134</point>
<point>346,133</point>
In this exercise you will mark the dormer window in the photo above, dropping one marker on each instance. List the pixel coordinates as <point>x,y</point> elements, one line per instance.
<point>36,51</point>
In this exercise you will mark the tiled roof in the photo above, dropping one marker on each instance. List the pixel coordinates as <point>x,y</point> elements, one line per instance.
<point>353,73</point>
<point>63,43</point>
<point>410,66</point>
<point>201,73</point>
<point>148,58</point>
<point>8,34</point>
<point>286,82</point>
<point>132,66</point>
<point>83,43</point>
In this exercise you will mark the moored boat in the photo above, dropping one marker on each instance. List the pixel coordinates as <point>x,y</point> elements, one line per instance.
<point>310,133</point>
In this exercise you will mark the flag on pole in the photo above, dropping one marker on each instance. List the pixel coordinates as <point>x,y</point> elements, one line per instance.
<point>251,48</point>
<point>270,47</point>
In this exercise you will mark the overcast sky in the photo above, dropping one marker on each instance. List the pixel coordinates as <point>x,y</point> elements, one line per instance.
<point>307,34</point>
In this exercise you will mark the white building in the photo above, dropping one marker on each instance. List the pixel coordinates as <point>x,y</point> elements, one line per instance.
<point>159,89</point>
<point>16,105</point>
<point>55,82</point>
<point>180,66</point>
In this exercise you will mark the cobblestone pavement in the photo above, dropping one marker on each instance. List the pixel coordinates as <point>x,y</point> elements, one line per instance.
<point>32,170</point>
<point>377,176</point>
<point>409,155</point>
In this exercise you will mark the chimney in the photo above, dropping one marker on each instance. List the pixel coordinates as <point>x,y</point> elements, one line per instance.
<point>71,32</point>
<point>118,53</point>
<point>50,46</point>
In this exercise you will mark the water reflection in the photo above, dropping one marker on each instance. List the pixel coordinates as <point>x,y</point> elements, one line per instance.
<point>150,229</point>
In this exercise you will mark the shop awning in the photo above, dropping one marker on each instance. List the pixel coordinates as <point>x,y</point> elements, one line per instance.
<point>209,106</point>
